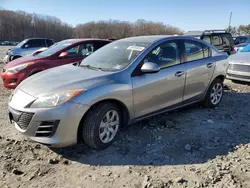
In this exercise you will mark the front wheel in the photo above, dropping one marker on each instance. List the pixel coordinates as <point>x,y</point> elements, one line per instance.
<point>101,125</point>
<point>214,94</point>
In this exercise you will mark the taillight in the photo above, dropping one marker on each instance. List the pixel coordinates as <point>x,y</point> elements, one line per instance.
<point>233,48</point>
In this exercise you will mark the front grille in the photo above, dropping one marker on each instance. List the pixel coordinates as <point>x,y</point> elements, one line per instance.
<point>238,76</point>
<point>24,120</point>
<point>242,68</point>
<point>47,128</point>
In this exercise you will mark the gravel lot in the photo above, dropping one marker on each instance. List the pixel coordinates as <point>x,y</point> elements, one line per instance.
<point>191,147</point>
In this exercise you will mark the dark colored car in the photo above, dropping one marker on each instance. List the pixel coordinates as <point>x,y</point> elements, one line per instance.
<point>242,39</point>
<point>221,39</point>
<point>241,42</point>
<point>64,52</point>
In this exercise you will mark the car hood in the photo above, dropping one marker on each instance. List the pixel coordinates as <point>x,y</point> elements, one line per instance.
<point>63,78</point>
<point>240,58</point>
<point>21,60</point>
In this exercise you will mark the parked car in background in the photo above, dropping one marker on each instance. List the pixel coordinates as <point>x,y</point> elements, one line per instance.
<point>241,46</point>
<point>6,43</point>
<point>64,52</point>
<point>221,39</point>
<point>242,39</point>
<point>123,82</point>
<point>27,46</point>
<point>239,65</point>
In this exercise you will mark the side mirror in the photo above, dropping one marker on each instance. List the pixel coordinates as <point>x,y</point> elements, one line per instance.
<point>26,46</point>
<point>63,55</point>
<point>150,67</point>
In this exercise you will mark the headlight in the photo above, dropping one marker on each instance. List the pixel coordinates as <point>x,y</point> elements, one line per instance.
<point>18,68</point>
<point>54,99</point>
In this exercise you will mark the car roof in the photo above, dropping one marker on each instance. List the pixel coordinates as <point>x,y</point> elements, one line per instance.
<point>84,39</point>
<point>154,38</point>
<point>193,33</point>
<point>146,39</point>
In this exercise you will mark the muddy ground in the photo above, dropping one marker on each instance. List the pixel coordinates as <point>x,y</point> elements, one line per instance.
<point>191,147</point>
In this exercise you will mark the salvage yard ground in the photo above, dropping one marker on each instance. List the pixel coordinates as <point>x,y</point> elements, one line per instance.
<point>191,147</point>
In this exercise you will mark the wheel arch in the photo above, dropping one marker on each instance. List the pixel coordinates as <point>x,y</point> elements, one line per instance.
<point>221,77</point>
<point>124,111</point>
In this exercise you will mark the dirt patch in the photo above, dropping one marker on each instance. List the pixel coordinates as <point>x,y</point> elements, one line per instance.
<point>190,147</point>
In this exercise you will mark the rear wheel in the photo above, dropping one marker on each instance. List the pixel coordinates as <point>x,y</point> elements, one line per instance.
<point>214,94</point>
<point>101,125</point>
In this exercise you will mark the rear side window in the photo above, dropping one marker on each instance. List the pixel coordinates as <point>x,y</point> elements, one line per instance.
<point>193,50</point>
<point>49,42</point>
<point>217,40</point>
<point>33,43</point>
<point>87,49</point>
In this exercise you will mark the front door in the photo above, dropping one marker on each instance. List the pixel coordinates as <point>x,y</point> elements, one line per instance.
<point>73,54</point>
<point>155,91</point>
<point>200,68</point>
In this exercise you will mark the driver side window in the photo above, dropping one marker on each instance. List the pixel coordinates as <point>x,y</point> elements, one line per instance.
<point>165,55</point>
<point>74,51</point>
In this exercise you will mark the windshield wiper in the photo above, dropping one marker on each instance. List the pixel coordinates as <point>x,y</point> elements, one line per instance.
<point>91,67</point>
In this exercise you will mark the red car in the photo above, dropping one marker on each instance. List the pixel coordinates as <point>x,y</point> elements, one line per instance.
<point>61,53</point>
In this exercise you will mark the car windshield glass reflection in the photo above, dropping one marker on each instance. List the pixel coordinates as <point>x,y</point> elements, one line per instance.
<point>54,48</point>
<point>114,56</point>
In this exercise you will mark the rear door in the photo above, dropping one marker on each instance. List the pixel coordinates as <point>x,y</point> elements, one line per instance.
<point>200,68</point>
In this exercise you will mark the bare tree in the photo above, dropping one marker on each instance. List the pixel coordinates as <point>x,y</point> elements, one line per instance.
<point>20,25</point>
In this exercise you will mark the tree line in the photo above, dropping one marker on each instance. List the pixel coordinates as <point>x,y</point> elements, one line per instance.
<point>241,30</point>
<point>18,25</point>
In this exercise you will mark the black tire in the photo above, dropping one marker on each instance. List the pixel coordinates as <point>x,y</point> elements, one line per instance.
<point>91,125</point>
<point>208,101</point>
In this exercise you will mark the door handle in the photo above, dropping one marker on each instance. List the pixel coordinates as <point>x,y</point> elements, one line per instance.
<point>209,65</point>
<point>179,73</point>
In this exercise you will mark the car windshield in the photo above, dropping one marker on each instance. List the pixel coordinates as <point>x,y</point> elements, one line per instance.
<point>114,56</point>
<point>54,48</point>
<point>21,43</point>
<point>246,48</point>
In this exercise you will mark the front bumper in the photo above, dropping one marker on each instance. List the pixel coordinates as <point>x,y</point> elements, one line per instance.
<point>55,127</point>
<point>11,81</point>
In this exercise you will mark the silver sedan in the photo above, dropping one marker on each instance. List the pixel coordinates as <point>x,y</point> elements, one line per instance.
<point>239,65</point>
<point>119,84</point>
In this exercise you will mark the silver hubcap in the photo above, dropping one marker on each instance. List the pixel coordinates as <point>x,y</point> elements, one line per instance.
<point>216,93</point>
<point>109,126</point>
